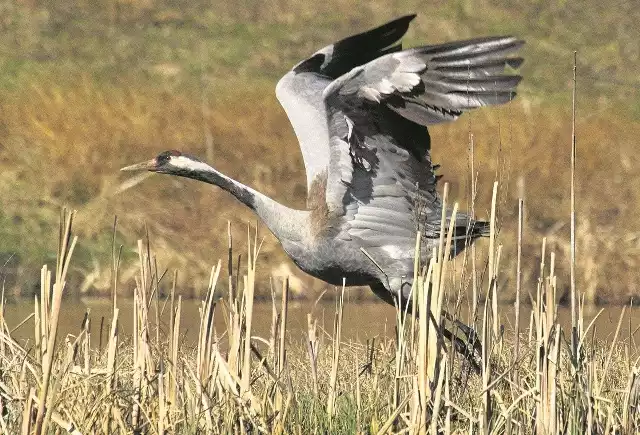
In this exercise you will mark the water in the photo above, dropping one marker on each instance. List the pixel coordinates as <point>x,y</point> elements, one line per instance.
<point>362,320</point>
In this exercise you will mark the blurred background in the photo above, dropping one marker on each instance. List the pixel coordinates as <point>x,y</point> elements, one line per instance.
<point>88,87</point>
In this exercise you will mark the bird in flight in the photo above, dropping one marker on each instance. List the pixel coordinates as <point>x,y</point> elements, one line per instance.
<point>360,110</point>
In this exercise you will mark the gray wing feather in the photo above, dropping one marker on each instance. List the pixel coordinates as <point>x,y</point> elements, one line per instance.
<point>381,181</point>
<point>300,90</point>
<point>431,82</point>
<point>300,94</point>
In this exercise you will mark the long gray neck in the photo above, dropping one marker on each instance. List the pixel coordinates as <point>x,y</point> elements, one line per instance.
<point>282,221</point>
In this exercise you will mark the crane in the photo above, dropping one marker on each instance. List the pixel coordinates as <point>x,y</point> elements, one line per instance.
<point>360,110</point>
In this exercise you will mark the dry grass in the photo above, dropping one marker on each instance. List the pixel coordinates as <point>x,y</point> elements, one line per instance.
<point>536,381</point>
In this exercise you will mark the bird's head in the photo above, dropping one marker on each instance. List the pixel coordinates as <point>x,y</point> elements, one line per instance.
<point>168,162</point>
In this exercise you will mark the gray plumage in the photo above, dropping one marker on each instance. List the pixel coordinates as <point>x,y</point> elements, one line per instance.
<point>360,108</point>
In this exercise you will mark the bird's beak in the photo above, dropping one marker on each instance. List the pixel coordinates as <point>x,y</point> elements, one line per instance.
<point>150,165</point>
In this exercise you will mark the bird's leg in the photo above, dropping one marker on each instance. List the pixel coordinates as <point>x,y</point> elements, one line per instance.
<point>463,337</point>
<point>469,345</point>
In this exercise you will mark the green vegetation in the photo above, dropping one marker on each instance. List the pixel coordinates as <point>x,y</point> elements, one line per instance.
<point>86,88</point>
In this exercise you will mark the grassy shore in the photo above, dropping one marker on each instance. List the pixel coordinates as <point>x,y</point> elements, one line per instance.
<point>88,88</point>
<point>544,379</point>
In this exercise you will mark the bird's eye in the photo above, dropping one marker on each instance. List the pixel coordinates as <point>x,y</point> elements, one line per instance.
<point>163,158</point>
<point>166,156</point>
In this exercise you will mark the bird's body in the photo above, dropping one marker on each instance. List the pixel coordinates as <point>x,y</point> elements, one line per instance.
<point>360,108</point>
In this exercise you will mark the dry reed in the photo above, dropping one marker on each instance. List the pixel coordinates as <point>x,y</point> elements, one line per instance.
<point>153,382</point>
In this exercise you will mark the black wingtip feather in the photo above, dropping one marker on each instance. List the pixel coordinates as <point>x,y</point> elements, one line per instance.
<point>404,19</point>
<point>378,37</point>
<point>515,62</point>
<point>363,47</point>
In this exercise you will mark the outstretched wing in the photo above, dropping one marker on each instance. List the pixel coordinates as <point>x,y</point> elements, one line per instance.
<point>300,90</point>
<point>381,183</point>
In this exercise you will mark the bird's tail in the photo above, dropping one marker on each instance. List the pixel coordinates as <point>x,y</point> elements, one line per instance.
<point>465,228</point>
